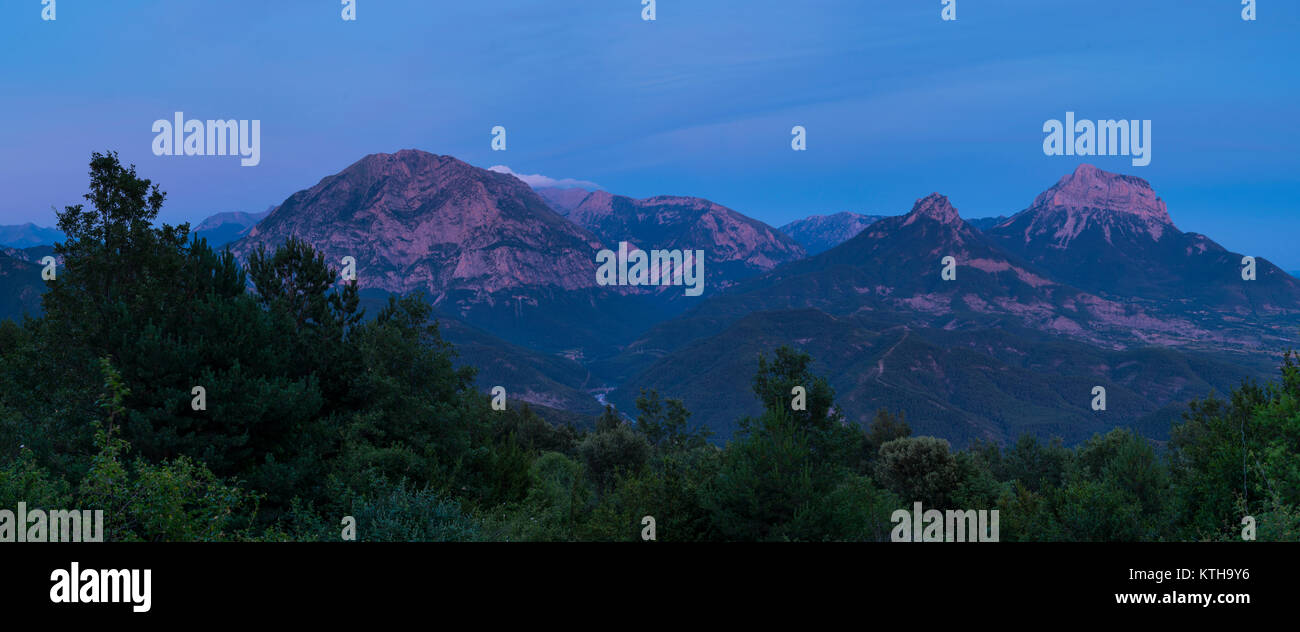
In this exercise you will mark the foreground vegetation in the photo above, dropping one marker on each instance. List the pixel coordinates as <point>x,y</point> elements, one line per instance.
<point>314,411</point>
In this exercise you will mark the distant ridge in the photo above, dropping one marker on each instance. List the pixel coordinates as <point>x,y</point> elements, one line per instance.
<point>820,233</point>
<point>28,235</point>
<point>736,246</point>
<point>223,228</point>
<point>985,223</point>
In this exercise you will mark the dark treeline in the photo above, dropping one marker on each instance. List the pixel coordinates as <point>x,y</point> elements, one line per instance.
<point>316,411</point>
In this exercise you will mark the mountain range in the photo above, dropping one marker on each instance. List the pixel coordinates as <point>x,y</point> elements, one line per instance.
<point>22,247</point>
<point>28,235</point>
<point>491,251</point>
<point>738,247</point>
<point>1112,235</point>
<point>219,229</point>
<point>820,233</point>
<point>223,228</point>
<point>981,329</point>
<point>941,350</point>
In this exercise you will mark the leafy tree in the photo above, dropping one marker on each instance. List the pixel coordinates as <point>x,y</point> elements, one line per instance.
<point>786,475</point>
<point>886,427</point>
<point>664,423</point>
<point>829,436</point>
<point>24,480</point>
<point>535,434</point>
<point>609,451</point>
<point>766,478</point>
<point>775,380</point>
<point>557,502</point>
<point>175,500</point>
<point>1233,458</point>
<point>406,515</point>
<point>608,419</point>
<point>1035,464</point>
<point>673,489</point>
<point>919,469</point>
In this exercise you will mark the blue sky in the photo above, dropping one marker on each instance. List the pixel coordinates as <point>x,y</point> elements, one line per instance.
<point>897,103</point>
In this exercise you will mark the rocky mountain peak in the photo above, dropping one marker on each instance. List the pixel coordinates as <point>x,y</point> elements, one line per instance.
<point>1091,188</point>
<point>934,207</point>
<point>416,220</point>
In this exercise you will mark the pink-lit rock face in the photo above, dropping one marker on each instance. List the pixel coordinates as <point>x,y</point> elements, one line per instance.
<point>1090,197</point>
<point>1112,236</point>
<point>734,245</point>
<point>906,253</point>
<point>1090,187</point>
<point>934,207</point>
<point>415,220</point>
<point>933,225</point>
<point>894,264</point>
<point>563,201</point>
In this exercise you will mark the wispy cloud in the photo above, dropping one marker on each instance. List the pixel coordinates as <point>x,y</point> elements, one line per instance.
<point>538,181</point>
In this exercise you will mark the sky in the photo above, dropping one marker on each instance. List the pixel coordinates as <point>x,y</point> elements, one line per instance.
<point>897,103</point>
